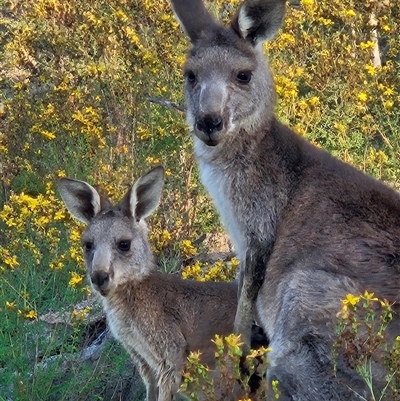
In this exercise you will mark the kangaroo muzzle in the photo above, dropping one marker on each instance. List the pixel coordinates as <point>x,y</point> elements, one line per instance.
<point>210,124</point>
<point>100,281</point>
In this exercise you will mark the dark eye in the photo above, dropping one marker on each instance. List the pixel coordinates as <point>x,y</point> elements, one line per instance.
<point>191,77</point>
<point>124,246</point>
<point>243,77</point>
<point>88,246</point>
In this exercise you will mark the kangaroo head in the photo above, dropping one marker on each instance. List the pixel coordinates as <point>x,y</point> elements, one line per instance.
<point>228,84</point>
<point>115,242</point>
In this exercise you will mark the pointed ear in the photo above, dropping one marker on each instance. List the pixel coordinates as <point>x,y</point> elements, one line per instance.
<point>146,193</point>
<point>193,17</point>
<point>259,20</point>
<point>80,198</point>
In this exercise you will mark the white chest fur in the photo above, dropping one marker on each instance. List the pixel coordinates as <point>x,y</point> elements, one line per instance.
<point>217,185</point>
<point>128,334</point>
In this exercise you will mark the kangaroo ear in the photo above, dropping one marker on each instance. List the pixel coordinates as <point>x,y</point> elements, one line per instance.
<point>80,198</point>
<point>193,17</point>
<point>145,195</point>
<point>259,20</point>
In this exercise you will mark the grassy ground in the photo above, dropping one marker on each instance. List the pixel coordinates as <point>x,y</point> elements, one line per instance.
<point>75,78</point>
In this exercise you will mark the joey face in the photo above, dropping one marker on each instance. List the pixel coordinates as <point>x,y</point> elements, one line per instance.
<point>115,242</point>
<point>229,90</point>
<point>115,250</point>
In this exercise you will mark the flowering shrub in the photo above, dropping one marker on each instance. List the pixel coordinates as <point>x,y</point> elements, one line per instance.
<point>362,336</point>
<point>74,81</point>
<point>218,271</point>
<point>219,384</point>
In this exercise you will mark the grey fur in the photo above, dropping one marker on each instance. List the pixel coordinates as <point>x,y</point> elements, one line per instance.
<point>321,228</point>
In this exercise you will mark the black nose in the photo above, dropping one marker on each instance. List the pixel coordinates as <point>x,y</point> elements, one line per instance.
<point>100,279</point>
<point>210,124</point>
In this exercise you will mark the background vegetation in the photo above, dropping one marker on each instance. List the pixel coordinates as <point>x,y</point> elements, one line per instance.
<point>75,78</point>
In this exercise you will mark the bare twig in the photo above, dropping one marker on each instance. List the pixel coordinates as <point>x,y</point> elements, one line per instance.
<point>167,103</point>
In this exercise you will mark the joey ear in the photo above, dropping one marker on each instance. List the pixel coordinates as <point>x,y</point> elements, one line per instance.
<point>193,17</point>
<point>259,20</point>
<point>146,193</point>
<point>80,198</point>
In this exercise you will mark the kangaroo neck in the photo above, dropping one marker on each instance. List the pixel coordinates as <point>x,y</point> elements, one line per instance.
<point>248,191</point>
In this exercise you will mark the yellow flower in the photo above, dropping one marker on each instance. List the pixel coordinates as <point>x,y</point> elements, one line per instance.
<point>233,341</point>
<point>350,13</point>
<point>362,96</point>
<point>235,262</point>
<point>385,304</point>
<point>313,100</point>
<point>188,249</point>
<point>254,353</point>
<point>370,69</point>
<point>59,215</point>
<point>75,279</point>
<point>31,315</point>
<point>340,127</point>
<point>369,296</point>
<point>28,200</point>
<point>121,15</point>
<point>388,91</point>
<point>76,254</point>
<point>80,314</point>
<point>367,45</point>
<point>287,37</point>
<point>166,236</point>
<point>218,341</point>
<point>325,21</point>
<point>133,37</point>
<point>152,160</point>
<point>41,221</point>
<point>350,300</point>
<point>194,356</point>
<point>47,134</point>
<point>61,173</point>
<point>75,235</point>
<point>7,258</point>
<point>302,104</point>
<point>193,272</point>
<point>10,305</point>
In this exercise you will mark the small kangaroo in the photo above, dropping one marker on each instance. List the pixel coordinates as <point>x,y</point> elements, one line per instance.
<point>326,229</point>
<point>159,318</point>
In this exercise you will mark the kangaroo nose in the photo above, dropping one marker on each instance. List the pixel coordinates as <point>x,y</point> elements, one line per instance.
<point>100,279</point>
<point>210,124</point>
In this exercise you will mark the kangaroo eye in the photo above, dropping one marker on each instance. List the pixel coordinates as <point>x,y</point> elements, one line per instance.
<point>191,77</point>
<point>124,246</point>
<point>244,77</point>
<point>88,246</point>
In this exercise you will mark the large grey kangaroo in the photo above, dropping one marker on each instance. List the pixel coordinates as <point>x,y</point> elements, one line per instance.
<point>159,318</point>
<point>326,229</point>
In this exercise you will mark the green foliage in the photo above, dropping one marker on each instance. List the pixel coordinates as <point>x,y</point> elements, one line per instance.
<point>75,78</point>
